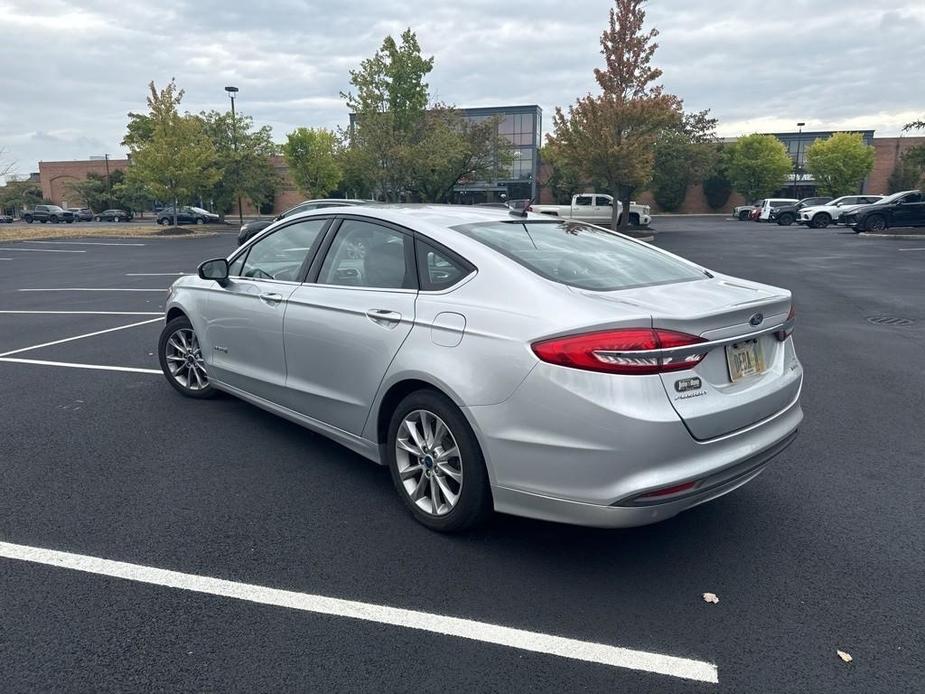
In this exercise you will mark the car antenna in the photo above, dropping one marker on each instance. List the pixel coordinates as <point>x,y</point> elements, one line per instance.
<point>520,210</point>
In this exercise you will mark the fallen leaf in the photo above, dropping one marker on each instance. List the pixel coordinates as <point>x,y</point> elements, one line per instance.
<point>844,656</point>
<point>710,597</point>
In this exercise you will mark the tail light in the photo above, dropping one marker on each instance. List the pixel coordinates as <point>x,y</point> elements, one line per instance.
<point>787,330</point>
<point>622,351</point>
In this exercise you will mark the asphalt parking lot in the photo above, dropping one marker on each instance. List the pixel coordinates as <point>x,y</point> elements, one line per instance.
<point>101,461</point>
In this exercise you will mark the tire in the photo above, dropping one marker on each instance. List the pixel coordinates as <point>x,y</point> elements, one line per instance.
<point>117,219</point>
<point>875,223</point>
<point>28,219</point>
<point>427,409</point>
<point>743,216</point>
<point>54,219</point>
<point>821,220</point>
<point>634,219</point>
<point>786,219</point>
<point>162,221</point>
<point>178,341</point>
<point>199,220</point>
<point>99,219</point>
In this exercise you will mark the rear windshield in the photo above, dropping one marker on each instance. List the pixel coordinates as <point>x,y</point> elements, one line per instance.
<point>580,255</point>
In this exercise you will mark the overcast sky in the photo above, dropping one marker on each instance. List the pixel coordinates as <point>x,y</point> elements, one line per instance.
<point>71,70</point>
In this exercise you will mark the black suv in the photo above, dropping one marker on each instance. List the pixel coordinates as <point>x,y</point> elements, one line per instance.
<point>187,215</point>
<point>48,213</point>
<point>905,209</point>
<point>114,216</point>
<point>785,215</point>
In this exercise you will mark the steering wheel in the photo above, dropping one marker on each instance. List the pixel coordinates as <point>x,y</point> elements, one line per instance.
<point>266,275</point>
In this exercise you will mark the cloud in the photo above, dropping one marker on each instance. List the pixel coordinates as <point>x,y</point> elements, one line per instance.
<point>73,69</point>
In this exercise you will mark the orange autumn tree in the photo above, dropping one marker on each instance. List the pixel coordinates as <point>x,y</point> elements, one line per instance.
<point>610,137</point>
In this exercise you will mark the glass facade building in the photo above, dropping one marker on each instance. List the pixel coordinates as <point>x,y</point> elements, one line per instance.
<point>522,127</point>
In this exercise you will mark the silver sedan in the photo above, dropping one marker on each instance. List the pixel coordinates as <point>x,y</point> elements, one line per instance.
<point>498,360</point>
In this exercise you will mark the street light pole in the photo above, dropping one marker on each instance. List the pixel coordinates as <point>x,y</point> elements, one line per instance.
<point>234,143</point>
<point>796,165</point>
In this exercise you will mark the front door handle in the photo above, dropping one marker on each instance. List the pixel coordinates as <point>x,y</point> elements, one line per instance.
<point>384,317</point>
<point>272,298</point>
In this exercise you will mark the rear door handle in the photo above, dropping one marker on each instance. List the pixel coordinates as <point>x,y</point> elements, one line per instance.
<point>384,317</point>
<point>272,298</point>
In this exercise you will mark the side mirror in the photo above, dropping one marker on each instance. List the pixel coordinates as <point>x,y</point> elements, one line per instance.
<point>216,269</point>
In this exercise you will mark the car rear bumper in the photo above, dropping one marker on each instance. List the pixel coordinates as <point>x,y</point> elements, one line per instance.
<point>562,450</point>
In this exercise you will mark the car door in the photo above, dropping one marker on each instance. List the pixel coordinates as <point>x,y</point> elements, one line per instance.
<point>583,209</point>
<point>909,211</point>
<point>603,209</point>
<point>345,324</point>
<point>244,325</point>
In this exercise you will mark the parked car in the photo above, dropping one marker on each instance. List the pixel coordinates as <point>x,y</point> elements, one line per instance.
<point>5,218</point>
<point>187,215</point>
<point>644,386</point>
<point>48,213</point>
<point>785,215</point>
<point>820,216</point>
<point>905,209</point>
<point>251,229</point>
<point>742,212</point>
<point>595,208</point>
<point>81,214</point>
<point>764,213</point>
<point>114,215</point>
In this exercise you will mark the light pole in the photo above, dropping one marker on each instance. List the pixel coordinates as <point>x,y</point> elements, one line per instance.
<point>234,143</point>
<point>796,164</point>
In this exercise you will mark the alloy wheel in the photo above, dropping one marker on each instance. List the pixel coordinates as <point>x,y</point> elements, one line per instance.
<point>184,360</point>
<point>429,462</point>
<point>876,223</point>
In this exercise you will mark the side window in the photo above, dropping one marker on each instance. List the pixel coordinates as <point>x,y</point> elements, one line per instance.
<point>583,200</point>
<point>601,201</point>
<point>368,255</point>
<point>236,265</point>
<point>438,269</point>
<point>280,255</point>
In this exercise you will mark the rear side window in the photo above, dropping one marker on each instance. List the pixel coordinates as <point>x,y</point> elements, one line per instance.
<point>580,255</point>
<point>438,269</point>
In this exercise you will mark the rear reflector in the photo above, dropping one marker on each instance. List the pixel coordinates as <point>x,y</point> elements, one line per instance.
<point>667,491</point>
<point>603,351</point>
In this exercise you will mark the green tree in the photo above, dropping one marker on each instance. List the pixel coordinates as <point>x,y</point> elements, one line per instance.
<point>130,195</point>
<point>388,107</point>
<point>758,165</point>
<point>611,137</point>
<point>910,169</point>
<point>90,192</point>
<point>683,156</point>
<point>451,150</point>
<point>839,163</point>
<point>314,160</point>
<point>178,160</point>
<point>20,195</point>
<point>716,185</point>
<point>247,171</point>
<point>562,180</point>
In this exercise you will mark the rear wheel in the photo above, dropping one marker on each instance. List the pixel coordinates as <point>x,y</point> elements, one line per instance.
<point>27,219</point>
<point>436,463</point>
<point>54,219</point>
<point>786,219</point>
<point>821,220</point>
<point>876,222</point>
<point>199,220</point>
<point>181,360</point>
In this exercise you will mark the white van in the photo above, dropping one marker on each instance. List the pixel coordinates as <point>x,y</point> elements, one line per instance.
<point>773,202</point>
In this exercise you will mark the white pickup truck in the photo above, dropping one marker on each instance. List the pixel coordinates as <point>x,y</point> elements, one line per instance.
<point>595,208</point>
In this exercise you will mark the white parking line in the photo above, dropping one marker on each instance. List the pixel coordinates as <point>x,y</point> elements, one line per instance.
<point>155,274</point>
<point>86,243</point>
<point>79,337</point>
<point>911,249</point>
<point>86,313</point>
<point>42,250</point>
<point>5,258</point>
<point>535,642</point>
<point>71,365</point>
<point>91,289</point>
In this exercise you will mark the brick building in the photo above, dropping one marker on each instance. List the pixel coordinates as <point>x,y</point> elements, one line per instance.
<point>54,176</point>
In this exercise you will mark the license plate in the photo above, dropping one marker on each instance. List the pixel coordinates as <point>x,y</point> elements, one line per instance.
<point>744,359</point>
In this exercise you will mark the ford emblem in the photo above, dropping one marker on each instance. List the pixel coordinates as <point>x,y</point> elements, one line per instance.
<point>756,319</point>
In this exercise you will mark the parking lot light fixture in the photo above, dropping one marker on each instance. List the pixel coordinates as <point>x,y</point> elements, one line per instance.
<point>234,143</point>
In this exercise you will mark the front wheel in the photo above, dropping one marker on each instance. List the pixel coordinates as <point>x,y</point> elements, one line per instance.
<point>821,221</point>
<point>117,219</point>
<point>181,360</point>
<point>743,216</point>
<point>786,219</point>
<point>199,220</point>
<point>875,223</point>
<point>99,219</point>
<point>54,220</point>
<point>436,463</point>
<point>27,219</point>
